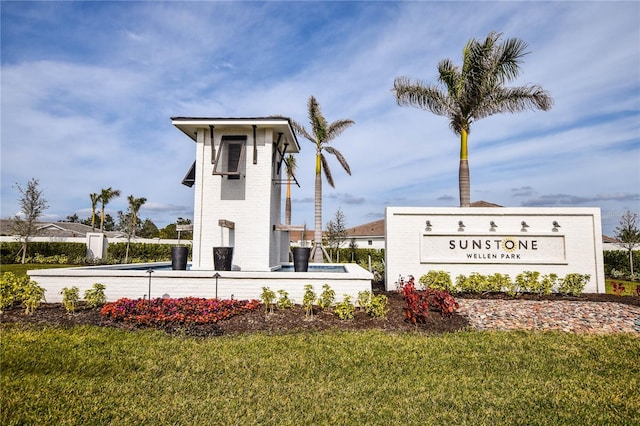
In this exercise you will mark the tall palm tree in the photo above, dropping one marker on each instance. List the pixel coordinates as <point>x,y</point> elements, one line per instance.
<point>95,198</point>
<point>475,91</point>
<point>321,135</point>
<point>105,196</point>
<point>134,206</point>
<point>290,164</point>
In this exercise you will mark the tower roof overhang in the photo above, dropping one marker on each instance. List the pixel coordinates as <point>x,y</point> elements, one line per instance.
<point>190,125</point>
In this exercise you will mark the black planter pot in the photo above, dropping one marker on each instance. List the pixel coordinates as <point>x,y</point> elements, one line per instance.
<point>301,258</point>
<point>222,257</point>
<point>179,258</point>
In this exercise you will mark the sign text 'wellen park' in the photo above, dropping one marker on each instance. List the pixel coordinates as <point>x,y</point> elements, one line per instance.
<point>509,249</point>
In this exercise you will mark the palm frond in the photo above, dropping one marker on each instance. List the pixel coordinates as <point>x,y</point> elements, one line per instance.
<point>417,94</point>
<point>317,120</point>
<point>340,157</point>
<point>326,170</point>
<point>337,127</point>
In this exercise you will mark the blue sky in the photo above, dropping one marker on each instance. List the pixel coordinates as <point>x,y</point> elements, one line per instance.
<point>88,89</point>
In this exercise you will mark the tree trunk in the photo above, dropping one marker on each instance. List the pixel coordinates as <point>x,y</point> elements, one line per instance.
<point>287,208</point>
<point>464,180</point>
<point>317,233</point>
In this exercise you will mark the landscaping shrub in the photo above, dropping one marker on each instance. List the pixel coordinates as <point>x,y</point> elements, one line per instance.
<point>70,298</point>
<point>573,284</point>
<point>188,310</point>
<point>528,282</point>
<point>417,304</point>
<point>437,280</point>
<point>327,297</point>
<point>374,305</point>
<point>95,297</point>
<point>307,301</point>
<point>497,281</point>
<point>43,252</point>
<point>618,260</point>
<point>268,298</point>
<point>474,283</point>
<point>283,301</point>
<point>14,289</point>
<point>345,310</point>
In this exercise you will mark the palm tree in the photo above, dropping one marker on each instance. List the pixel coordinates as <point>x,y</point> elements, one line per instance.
<point>475,91</point>
<point>322,134</point>
<point>95,198</point>
<point>134,206</point>
<point>105,196</point>
<point>290,164</point>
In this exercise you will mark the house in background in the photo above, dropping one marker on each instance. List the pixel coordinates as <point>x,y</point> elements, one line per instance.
<point>367,236</point>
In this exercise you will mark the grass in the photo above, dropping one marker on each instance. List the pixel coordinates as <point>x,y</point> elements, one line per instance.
<point>629,286</point>
<point>89,375</point>
<point>21,270</point>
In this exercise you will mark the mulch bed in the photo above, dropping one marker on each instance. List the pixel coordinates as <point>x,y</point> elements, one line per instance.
<point>281,321</point>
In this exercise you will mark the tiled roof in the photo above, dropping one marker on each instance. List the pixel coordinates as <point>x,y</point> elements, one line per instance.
<point>371,229</point>
<point>53,229</point>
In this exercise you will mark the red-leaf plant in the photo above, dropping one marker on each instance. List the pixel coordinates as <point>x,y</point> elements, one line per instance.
<point>184,310</point>
<point>418,304</point>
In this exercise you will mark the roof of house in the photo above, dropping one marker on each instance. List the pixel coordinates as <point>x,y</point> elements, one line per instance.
<point>371,229</point>
<point>54,229</point>
<point>609,240</point>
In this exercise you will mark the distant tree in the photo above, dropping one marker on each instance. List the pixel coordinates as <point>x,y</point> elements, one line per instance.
<point>32,206</point>
<point>106,195</point>
<point>95,198</point>
<point>353,246</point>
<point>322,133</point>
<point>628,234</point>
<point>148,229</point>
<point>72,218</point>
<point>170,232</point>
<point>473,91</point>
<point>134,205</point>
<point>290,164</point>
<point>336,232</point>
<point>109,223</point>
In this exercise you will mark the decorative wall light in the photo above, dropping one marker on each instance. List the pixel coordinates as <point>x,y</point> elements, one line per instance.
<point>460,226</point>
<point>556,225</point>
<point>149,271</point>
<point>427,225</point>
<point>524,226</point>
<point>493,226</point>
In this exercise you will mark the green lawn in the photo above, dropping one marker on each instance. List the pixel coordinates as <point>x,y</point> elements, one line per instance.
<point>88,375</point>
<point>20,269</point>
<point>629,287</point>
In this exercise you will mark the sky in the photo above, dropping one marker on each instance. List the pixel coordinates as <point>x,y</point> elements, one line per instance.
<point>88,89</point>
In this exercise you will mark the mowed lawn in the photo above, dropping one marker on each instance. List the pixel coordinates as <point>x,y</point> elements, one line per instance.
<point>89,375</point>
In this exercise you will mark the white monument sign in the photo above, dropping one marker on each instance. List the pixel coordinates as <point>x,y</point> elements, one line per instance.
<point>494,239</point>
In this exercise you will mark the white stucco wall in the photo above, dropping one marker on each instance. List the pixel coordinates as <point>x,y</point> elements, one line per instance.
<point>252,203</point>
<point>574,247</point>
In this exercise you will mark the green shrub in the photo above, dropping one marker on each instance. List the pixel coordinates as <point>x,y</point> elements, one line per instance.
<point>497,282</point>
<point>377,307</point>
<point>345,310</point>
<point>547,283</point>
<point>527,281</point>
<point>573,284</point>
<point>307,301</point>
<point>437,280</point>
<point>327,297</point>
<point>474,283</point>
<point>95,297</point>
<point>283,301</point>
<point>374,305</point>
<point>14,289</point>
<point>51,252</point>
<point>70,298</point>
<point>268,298</point>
